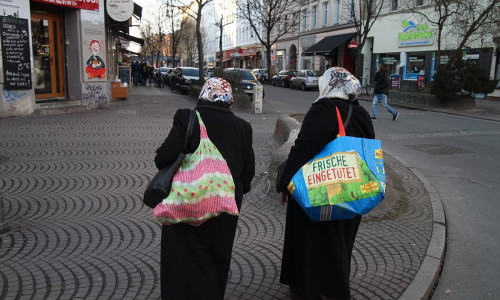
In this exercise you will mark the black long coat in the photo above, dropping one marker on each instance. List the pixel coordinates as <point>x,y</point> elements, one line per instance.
<point>317,255</point>
<point>195,260</point>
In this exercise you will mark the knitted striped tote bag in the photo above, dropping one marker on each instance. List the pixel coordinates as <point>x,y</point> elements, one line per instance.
<point>202,188</point>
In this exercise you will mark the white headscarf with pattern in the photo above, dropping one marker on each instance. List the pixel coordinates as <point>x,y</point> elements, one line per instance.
<point>338,83</point>
<point>216,90</point>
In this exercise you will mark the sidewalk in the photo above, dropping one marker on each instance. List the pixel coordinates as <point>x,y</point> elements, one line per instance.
<point>72,187</point>
<point>485,109</point>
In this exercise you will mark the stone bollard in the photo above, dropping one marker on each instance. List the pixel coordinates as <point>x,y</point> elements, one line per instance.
<point>4,226</point>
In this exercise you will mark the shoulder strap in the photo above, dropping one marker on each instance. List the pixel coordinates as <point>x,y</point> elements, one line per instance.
<point>189,131</point>
<point>341,124</point>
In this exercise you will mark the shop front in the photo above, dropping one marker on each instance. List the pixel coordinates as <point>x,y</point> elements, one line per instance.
<point>409,48</point>
<point>329,51</point>
<point>247,57</point>
<point>51,38</point>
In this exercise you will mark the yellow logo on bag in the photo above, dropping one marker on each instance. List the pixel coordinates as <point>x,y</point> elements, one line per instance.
<point>291,187</point>
<point>370,187</point>
<point>379,154</point>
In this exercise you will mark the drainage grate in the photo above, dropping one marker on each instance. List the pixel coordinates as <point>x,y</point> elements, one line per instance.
<point>3,159</point>
<point>439,149</point>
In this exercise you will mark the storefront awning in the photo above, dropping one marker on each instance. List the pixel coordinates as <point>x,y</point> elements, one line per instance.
<point>129,52</point>
<point>327,44</point>
<point>130,38</point>
<point>137,11</point>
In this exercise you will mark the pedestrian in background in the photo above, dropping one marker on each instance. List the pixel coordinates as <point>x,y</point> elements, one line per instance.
<point>135,72</point>
<point>316,259</point>
<point>381,91</point>
<point>195,259</point>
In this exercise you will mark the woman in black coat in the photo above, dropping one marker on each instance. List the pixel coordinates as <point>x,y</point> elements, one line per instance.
<point>317,255</point>
<point>195,259</point>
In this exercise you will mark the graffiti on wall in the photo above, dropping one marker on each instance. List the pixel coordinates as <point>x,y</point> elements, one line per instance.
<point>94,95</point>
<point>15,101</point>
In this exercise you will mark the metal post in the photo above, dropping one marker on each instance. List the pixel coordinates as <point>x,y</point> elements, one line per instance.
<point>4,226</point>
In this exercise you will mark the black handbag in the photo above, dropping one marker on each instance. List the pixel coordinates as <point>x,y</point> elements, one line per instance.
<point>159,187</point>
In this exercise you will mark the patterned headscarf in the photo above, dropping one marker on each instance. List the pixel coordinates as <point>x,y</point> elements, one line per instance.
<point>216,89</point>
<point>338,83</point>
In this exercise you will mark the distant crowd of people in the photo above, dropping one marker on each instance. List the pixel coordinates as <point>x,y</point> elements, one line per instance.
<point>142,73</point>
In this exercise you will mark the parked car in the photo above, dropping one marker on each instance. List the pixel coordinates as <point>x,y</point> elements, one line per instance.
<point>164,71</point>
<point>283,78</point>
<point>261,74</point>
<point>209,71</point>
<point>247,80</point>
<point>184,77</point>
<point>305,80</point>
<point>170,72</point>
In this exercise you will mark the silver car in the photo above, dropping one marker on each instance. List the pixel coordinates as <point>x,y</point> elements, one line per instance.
<point>305,80</point>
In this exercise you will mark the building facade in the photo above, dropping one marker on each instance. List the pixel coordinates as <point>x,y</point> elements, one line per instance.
<point>57,54</point>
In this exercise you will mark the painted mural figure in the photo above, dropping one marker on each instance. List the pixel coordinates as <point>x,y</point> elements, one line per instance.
<point>95,65</point>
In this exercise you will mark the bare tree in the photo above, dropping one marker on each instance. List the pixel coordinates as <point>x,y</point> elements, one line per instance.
<point>159,22</point>
<point>222,22</point>
<point>194,10</point>
<point>482,17</point>
<point>263,16</point>
<point>188,40</point>
<point>147,33</point>
<point>364,14</point>
<point>443,13</point>
<point>176,24</point>
<point>469,17</point>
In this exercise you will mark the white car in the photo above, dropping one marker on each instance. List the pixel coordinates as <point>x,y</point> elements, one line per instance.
<point>261,74</point>
<point>305,80</point>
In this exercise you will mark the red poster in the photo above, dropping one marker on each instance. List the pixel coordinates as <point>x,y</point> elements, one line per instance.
<point>81,4</point>
<point>421,82</point>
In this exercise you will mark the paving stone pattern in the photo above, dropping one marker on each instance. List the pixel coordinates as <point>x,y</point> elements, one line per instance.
<point>72,187</point>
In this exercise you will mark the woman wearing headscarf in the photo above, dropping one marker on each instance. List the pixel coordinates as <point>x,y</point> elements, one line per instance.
<point>316,257</point>
<point>195,259</point>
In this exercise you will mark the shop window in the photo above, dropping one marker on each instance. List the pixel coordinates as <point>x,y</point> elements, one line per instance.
<point>415,65</point>
<point>307,63</point>
<point>419,2</point>
<point>392,62</point>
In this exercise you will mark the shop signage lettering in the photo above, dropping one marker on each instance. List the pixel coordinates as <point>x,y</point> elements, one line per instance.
<point>15,53</point>
<point>415,35</point>
<point>81,4</point>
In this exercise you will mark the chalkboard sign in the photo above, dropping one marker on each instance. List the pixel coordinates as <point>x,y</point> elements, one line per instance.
<point>124,74</point>
<point>15,53</point>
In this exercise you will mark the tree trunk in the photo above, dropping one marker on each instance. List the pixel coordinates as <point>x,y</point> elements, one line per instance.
<point>199,41</point>
<point>268,59</point>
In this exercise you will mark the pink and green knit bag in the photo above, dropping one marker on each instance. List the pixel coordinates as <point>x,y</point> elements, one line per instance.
<point>202,188</point>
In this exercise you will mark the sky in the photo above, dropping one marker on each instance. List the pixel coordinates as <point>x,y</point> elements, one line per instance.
<point>134,31</point>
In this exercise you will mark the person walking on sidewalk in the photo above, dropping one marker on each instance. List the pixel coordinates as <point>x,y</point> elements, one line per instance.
<point>381,91</point>
<point>316,257</point>
<point>195,260</point>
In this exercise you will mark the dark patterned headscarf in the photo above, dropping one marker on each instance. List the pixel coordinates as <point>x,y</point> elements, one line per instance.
<point>216,90</point>
<point>338,83</point>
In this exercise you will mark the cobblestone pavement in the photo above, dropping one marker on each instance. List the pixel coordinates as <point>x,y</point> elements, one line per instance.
<point>72,187</point>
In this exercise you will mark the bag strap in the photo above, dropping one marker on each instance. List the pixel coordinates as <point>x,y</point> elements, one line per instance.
<point>189,131</point>
<point>341,124</point>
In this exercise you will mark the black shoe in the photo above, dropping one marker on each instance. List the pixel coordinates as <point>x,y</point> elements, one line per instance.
<point>374,119</point>
<point>395,117</point>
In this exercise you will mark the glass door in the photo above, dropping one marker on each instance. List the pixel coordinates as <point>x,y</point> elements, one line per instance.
<point>46,30</point>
